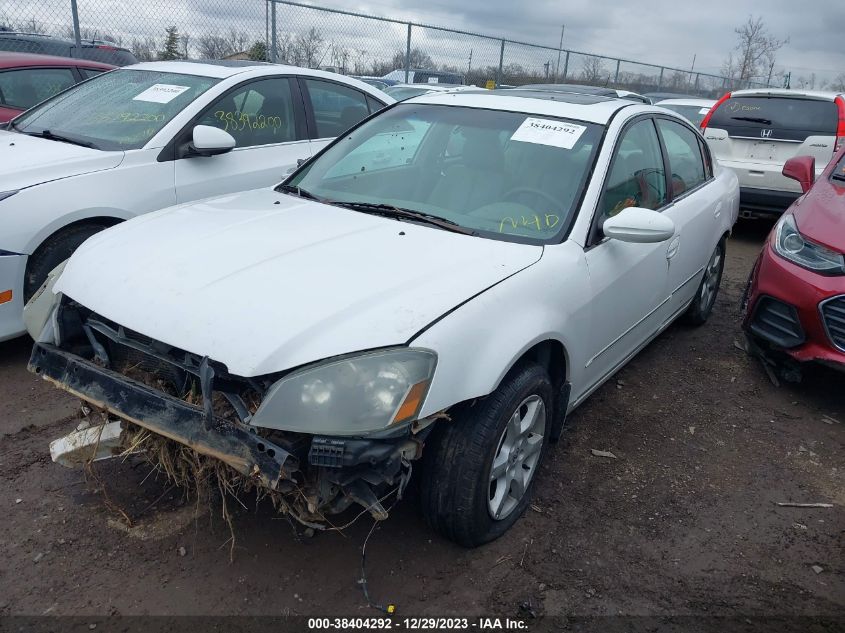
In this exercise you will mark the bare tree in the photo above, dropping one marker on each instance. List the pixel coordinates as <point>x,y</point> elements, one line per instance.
<point>307,48</point>
<point>592,70</point>
<point>838,84</point>
<point>753,57</point>
<point>419,59</point>
<point>87,33</point>
<point>144,48</point>
<point>218,46</point>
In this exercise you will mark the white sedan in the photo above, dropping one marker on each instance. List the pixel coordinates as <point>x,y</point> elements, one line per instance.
<point>693,110</point>
<point>444,283</point>
<point>150,136</point>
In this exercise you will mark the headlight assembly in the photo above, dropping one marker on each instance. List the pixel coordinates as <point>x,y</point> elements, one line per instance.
<point>791,245</point>
<point>351,396</point>
<point>7,194</point>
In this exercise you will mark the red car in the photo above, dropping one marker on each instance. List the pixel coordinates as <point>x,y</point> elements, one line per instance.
<point>27,79</point>
<point>795,300</point>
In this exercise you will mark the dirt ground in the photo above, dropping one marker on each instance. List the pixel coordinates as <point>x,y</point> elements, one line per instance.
<point>683,522</point>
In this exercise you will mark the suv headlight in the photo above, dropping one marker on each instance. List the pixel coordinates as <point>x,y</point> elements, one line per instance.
<point>7,194</point>
<point>791,245</point>
<point>351,396</point>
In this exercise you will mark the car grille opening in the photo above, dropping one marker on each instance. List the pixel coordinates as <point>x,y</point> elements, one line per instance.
<point>777,322</point>
<point>833,315</point>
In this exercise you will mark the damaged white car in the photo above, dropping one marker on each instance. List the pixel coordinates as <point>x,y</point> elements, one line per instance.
<point>437,289</point>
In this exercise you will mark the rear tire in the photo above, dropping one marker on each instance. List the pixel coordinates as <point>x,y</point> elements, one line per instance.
<point>484,461</point>
<point>705,296</point>
<point>53,252</point>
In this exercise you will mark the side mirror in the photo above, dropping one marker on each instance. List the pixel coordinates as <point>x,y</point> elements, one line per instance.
<point>210,141</point>
<point>802,169</point>
<point>640,226</point>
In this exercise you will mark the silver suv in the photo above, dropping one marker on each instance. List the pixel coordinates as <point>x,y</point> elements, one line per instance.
<point>754,132</point>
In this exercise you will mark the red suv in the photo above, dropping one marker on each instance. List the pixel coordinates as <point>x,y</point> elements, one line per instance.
<point>795,300</point>
<point>27,79</point>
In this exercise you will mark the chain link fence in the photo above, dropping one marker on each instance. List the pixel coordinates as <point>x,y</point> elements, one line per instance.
<point>318,37</point>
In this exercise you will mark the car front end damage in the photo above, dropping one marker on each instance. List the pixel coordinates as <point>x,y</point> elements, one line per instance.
<point>259,426</point>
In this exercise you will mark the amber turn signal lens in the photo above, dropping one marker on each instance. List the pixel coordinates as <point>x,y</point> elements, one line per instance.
<point>5,296</point>
<point>413,402</point>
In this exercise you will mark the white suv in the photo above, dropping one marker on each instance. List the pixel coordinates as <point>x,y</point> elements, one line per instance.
<point>754,132</point>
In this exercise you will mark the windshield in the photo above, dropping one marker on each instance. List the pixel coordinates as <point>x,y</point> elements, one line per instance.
<point>505,175</point>
<point>119,110</point>
<point>692,113</point>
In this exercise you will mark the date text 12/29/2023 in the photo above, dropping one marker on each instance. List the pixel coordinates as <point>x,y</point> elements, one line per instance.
<point>417,624</point>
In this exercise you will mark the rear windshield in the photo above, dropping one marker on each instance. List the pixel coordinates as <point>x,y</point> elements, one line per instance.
<point>789,118</point>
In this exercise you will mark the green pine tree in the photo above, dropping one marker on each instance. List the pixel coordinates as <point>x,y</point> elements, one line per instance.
<point>171,44</point>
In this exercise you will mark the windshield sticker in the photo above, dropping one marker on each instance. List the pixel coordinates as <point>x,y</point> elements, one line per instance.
<point>161,93</point>
<point>549,132</point>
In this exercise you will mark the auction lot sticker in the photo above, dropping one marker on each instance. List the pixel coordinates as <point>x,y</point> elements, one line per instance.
<point>161,93</point>
<point>548,132</point>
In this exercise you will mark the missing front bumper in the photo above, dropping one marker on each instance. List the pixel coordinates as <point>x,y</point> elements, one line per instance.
<point>243,450</point>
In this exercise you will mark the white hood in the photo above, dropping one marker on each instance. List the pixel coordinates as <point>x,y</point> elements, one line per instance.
<point>263,281</point>
<point>28,160</point>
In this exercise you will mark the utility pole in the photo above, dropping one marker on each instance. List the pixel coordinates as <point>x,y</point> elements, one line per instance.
<point>560,46</point>
<point>469,64</point>
<point>692,67</point>
<point>769,79</point>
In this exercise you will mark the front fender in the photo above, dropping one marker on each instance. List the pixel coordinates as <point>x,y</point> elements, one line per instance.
<point>480,342</point>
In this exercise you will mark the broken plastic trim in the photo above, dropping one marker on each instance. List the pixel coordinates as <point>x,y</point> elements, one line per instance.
<point>165,415</point>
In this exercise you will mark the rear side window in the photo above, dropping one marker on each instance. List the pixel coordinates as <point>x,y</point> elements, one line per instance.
<point>789,119</point>
<point>684,155</point>
<point>26,87</point>
<point>336,108</point>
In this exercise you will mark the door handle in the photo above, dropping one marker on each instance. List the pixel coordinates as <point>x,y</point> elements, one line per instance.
<point>673,247</point>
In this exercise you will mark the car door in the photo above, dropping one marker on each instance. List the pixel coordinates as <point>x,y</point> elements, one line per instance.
<point>333,108</point>
<point>695,209</point>
<point>628,281</point>
<point>265,117</point>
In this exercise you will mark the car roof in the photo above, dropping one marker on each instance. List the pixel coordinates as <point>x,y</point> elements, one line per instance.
<point>17,60</point>
<point>687,102</point>
<point>223,69</point>
<point>822,95</point>
<point>582,107</point>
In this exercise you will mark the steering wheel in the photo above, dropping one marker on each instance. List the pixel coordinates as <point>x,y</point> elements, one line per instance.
<point>513,193</point>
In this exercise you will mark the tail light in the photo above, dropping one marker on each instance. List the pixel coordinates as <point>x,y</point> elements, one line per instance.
<point>106,48</point>
<point>840,127</point>
<point>706,118</point>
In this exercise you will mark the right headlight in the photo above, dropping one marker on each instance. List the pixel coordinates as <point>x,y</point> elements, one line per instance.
<point>791,245</point>
<point>356,395</point>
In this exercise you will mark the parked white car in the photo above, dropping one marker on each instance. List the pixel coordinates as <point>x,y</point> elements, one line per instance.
<point>693,110</point>
<point>449,296</point>
<point>400,92</point>
<point>150,136</point>
<point>754,133</point>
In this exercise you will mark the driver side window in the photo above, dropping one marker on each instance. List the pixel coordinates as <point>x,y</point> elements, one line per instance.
<point>637,177</point>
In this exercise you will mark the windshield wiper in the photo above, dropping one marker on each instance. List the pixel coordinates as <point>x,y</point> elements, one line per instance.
<point>753,119</point>
<point>298,191</point>
<point>63,139</point>
<point>388,210</point>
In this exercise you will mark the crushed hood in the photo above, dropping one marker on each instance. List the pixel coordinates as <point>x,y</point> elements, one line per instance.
<point>264,282</point>
<point>29,160</point>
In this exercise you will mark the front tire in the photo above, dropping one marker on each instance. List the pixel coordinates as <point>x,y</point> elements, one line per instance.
<point>53,252</point>
<point>705,296</point>
<point>479,471</point>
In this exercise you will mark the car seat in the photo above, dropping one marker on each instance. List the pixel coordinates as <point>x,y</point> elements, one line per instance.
<point>476,180</point>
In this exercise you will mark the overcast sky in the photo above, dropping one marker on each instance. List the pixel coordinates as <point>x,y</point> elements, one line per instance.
<point>666,32</point>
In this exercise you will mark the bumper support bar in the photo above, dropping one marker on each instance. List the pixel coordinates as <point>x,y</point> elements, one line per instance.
<point>165,415</point>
